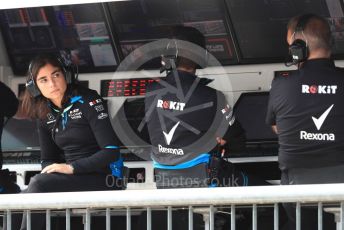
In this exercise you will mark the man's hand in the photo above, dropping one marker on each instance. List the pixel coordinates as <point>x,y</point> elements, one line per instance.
<point>274,129</point>
<point>221,142</point>
<point>58,168</point>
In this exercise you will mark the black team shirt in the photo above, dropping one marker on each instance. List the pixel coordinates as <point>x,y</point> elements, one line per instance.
<point>184,118</point>
<point>307,107</point>
<point>83,135</point>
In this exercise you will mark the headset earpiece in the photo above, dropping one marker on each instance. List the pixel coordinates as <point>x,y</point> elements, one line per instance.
<point>299,49</point>
<point>32,88</point>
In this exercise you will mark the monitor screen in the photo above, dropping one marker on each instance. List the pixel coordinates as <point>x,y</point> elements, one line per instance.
<point>134,115</point>
<point>140,22</point>
<point>260,27</point>
<point>20,135</point>
<point>250,110</point>
<point>81,31</point>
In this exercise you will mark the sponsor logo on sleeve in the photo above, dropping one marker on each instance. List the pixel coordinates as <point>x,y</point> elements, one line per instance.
<point>94,102</point>
<point>102,116</point>
<point>99,108</point>
<point>228,113</point>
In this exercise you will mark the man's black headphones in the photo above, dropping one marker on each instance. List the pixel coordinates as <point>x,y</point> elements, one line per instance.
<point>299,50</point>
<point>66,65</point>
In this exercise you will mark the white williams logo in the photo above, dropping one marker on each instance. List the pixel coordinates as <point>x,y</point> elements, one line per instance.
<point>169,136</point>
<point>319,121</point>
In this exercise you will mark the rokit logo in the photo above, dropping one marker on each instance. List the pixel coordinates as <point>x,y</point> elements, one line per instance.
<point>318,124</point>
<point>171,105</point>
<point>319,89</point>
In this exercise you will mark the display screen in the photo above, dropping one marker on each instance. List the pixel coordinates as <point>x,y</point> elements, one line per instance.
<point>260,27</point>
<point>20,135</point>
<point>125,87</point>
<point>255,129</point>
<point>140,22</point>
<point>81,31</point>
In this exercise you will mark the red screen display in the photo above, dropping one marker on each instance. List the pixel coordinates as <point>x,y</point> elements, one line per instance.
<point>125,87</point>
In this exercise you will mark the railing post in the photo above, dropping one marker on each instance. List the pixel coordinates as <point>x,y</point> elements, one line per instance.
<point>47,219</point>
<point>169,218</point>
<point>211,217</point>
<point>233,217</point>
<point>342,215</point>
<point>88,219</point>
<point>67,219</point>
<point>190,218</point>
<point>9,219</point>
<point>128,218</point>
<point>28,220</point>
<point>320,216</point>
<point>254,217</point>
<point>108,219</point>
<point>276,217</point>
<point>298,216</point>
<point>149,218</point>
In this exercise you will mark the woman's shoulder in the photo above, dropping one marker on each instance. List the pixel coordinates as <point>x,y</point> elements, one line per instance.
<point>87,94</point>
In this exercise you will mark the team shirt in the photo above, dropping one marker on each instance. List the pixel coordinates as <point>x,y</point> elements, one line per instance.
<point>307,107</point>
<point>82,136</point>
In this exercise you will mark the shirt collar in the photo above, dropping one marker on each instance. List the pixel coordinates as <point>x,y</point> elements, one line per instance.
<point>316,63</point>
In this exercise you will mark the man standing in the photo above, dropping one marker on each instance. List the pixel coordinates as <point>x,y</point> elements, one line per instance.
<point>307,113</point>
<point>187,119</point>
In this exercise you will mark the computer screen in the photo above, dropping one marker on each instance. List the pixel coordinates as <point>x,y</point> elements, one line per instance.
<point>250,110</point>
<point>20,135</point>
<point>260,27</point>
<point>137,23</point>
<point>81,31</point>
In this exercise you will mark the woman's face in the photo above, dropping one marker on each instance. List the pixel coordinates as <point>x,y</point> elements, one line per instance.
<point>52,83</point>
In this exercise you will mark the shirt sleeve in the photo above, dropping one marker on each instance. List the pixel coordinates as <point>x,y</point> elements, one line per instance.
<point>96,113</point>
<point>50,152</point>
<point>235,134</point>
<point>9,101</point>
<point>270,114</point>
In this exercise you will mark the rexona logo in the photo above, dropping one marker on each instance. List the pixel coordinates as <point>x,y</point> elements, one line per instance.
<point>319,89</point>
<point>170,150</point>
<point>172,105</point>
<point>318,124</point>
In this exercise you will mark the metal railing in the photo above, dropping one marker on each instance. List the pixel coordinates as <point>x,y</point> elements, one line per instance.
<point>207,201</point>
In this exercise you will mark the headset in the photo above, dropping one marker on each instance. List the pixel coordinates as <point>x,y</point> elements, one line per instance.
<point>299,50</point>
<point>70,71</point>
<point>171,53</point>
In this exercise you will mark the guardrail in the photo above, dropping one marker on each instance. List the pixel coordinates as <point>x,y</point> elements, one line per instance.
<point>194,200</point>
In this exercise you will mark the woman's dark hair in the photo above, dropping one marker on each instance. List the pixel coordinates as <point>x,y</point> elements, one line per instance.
<point>37,107</point>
